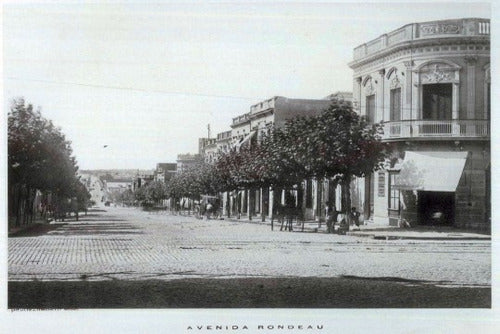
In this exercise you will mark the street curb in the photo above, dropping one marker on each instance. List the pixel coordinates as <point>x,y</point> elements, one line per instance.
<point>374,236</point>
<point>403,237</point>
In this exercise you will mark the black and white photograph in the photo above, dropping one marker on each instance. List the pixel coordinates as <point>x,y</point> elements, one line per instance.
<point>248,167</point>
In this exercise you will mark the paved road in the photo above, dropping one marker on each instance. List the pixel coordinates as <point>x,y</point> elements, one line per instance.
<point>125,243</point>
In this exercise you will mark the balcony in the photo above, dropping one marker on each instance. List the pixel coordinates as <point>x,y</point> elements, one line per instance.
<point>262,106</point>
<point>456,129</point>
<point>241,119</point>
<point>226,135</point>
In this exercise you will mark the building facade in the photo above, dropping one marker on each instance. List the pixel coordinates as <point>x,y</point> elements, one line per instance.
<point>184,161</point>
<point>429,85</point>
<point>207,148</point>
<point>223,142</point>
<point>164,171</point>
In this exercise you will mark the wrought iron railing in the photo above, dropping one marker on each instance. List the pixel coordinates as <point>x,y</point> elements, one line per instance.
<point>436,128</point>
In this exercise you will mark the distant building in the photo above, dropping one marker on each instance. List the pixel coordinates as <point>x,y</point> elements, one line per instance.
<point>184,161</point>
<point>142,179</point>
<point>223,142</point>
<point>207,148</point>
<point>275,111</point>
<point>164,171</point>
<point>118,185</point>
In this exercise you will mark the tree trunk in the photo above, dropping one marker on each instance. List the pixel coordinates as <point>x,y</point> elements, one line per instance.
<point>239,199</point>
<point>319,200</point>
<point>250,203</point>
<point>18,205</point>
<point>26,204</point>
<point>346,194</point>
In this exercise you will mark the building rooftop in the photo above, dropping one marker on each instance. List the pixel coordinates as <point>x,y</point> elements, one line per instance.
<point>466,27</point>
<point>187,156</point>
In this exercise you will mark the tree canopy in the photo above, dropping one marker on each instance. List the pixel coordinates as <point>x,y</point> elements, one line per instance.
<point>337,143</point>
<point>39,158</point>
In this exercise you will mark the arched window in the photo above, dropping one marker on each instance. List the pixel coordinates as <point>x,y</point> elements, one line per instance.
<point>395,95</point>
<point>370,106</point>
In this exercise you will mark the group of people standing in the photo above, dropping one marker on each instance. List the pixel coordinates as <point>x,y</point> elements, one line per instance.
<point>346,220</point>
<point>207,208</point>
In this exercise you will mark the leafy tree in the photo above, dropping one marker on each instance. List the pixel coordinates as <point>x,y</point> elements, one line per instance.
<point>338,144</point>
<point>155,191</point>
<point>199,179</point>
<point>39,158</point>
<point>83,197</point>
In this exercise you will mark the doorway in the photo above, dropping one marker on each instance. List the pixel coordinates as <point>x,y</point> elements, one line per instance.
<point>436,208</point>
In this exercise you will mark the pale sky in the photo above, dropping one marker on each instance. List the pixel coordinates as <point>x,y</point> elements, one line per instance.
<point>146,79</point>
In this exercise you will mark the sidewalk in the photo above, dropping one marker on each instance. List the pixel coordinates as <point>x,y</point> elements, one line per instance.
<point>416,233</point>
<point>380,232</point>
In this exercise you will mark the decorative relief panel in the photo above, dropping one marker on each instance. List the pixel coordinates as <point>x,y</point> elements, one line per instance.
<point>436,73</point>
<point>438,29</point>
<point>395,83</point>
<point>369,88</point>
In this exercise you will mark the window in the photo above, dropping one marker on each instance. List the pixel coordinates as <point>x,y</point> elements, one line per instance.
<point>370,108</point>
<point>396,104</point>
<point>437,101</point>
<point>393,193</point>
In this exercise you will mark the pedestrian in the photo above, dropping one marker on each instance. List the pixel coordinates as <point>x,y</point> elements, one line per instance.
<point>330,224</point>
<point>216,208</point>
<point>354,217</point>
<point>197,209</point>
<point>209,210</point>
<point>344,225</point>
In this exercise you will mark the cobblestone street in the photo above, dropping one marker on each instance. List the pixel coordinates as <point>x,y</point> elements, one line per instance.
<point>125,243</point>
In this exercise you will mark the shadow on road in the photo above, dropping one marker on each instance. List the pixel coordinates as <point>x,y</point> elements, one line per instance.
<point>106,227</point>
<point>36,230</point>
<point>258,292</point>
<point>90,224</point>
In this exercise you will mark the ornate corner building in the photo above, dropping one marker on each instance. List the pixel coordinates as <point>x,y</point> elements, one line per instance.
<point>429,85</point>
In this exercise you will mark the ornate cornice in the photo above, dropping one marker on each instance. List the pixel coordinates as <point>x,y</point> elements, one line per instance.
<point>409,64</point>
<point>419,47</point>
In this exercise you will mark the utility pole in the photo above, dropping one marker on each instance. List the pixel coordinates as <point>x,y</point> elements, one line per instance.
<point>208,128</point>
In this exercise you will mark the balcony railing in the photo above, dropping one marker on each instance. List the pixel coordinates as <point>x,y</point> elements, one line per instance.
<point>416,31</point>
<point>224,135</point>
<point>433,129</point>
<point>241,119</point>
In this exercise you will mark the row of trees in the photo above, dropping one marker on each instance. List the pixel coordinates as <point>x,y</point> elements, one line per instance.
<point>40,166</point>
<point>337,145</point>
